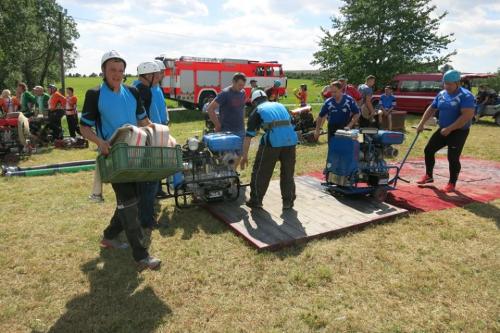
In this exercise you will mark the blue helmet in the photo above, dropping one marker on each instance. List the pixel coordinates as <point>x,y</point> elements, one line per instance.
<point>277,83</point>
<point>451,76</point>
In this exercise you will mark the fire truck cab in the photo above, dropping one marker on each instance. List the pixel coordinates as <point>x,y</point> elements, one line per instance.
<point>193,80</point>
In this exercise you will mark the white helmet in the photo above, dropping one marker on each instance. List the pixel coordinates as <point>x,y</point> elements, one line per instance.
<point>147,67</point>
<point>256,94</point>
<point>160,64</point>
<point>112,55</point>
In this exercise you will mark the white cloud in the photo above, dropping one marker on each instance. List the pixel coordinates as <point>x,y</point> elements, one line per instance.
<point>476,29</point>
<point>286,31</point>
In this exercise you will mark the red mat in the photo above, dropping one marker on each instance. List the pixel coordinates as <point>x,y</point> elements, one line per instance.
<point>479,181</point>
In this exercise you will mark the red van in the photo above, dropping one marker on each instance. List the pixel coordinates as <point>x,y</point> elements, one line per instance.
<point>415,92</point>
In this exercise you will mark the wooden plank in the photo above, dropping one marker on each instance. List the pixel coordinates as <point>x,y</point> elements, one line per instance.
<point>316,213</point>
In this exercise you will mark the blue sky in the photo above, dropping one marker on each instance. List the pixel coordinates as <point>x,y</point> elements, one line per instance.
<point>287,31</point>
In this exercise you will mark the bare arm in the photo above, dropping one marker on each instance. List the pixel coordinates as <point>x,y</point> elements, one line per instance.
<point>428,114</point>
<point>144,122</point>
<point>213,116</point>
<point>319,125</point>
<point>89,134</point>
<point>353,120</point>
<point>369,105</point>
<point>244,155</point>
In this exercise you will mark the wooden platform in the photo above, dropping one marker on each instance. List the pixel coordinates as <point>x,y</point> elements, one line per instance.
<point>316,213</point>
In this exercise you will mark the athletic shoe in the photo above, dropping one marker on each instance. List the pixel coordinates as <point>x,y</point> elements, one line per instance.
<point>148,263</point>
<point>96,198</point>
<point>113,244</point>
<point>425,180</point>
<point>449,188</point>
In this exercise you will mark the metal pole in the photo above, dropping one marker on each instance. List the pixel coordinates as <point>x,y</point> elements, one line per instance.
<point>61,53</point>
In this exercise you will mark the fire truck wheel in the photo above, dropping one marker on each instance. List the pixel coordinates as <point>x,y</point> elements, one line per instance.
<point>204,98</point>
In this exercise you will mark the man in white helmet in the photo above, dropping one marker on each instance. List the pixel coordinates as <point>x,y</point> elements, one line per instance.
<point>107,108</point>
<point>277,144</point>
<point>161,107</point>
<point>146,72</point>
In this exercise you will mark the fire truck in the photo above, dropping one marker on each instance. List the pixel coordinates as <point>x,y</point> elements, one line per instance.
<point>193,80</point>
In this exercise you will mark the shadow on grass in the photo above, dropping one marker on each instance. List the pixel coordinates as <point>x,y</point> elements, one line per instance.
<point>486,210</point>
<point>190,221</point>
<point>114,303</point>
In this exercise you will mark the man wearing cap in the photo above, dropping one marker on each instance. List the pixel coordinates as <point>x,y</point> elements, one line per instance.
<point>456,110</point>
<point>57,103</point>
<point>277,144</point>
<point>107,108</point>
<point>273,93</point>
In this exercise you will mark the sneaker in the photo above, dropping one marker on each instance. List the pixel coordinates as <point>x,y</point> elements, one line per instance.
<point>253,204</point>
<point>96,198</point>
<point>113,244</point>
<point>449,188</point>
<point>425,180</point>
<point>161,194</point>
<point>148,263</point>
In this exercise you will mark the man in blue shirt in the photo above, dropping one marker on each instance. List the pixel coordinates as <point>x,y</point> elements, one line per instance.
<point>107,108</point>
<point>387,104</point>
<point>277,143</point>
<point>456,110</point>
<point>340,110</point>
<point>146,72</point>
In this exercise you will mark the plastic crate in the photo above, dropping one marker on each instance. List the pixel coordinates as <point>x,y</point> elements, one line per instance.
<point>126,163</point>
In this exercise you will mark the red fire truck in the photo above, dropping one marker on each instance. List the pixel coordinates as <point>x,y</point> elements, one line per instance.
<point>192,80</point>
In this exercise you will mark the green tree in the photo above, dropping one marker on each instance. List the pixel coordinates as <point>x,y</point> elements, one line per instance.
<point>383,38</point>
<point>29,42</point>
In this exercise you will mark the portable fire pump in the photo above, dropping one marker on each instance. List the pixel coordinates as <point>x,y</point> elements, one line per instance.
<point>356,162</point>
<point>14,138</point>
<point>209,170</point>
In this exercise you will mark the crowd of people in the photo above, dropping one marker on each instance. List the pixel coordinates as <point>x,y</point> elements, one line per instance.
<point>113,104</point>
<point>48,105</point>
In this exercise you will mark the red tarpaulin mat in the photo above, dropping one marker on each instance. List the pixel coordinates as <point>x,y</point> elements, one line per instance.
<point>479,181</point>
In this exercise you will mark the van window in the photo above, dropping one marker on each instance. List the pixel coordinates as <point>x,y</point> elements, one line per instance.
<point>430,86</point>
<point>409,86</point>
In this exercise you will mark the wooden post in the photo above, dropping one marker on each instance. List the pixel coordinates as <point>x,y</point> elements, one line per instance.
<point>61,53</point>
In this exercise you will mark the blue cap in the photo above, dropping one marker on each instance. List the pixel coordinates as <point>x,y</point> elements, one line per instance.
<point>277,83</point>
<point>451,76</point>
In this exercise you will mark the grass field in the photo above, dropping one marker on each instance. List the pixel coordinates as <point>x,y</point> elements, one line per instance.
<point>428,272</point>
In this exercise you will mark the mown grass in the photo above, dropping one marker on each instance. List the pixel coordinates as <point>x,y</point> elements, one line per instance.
<point>429,272</point>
